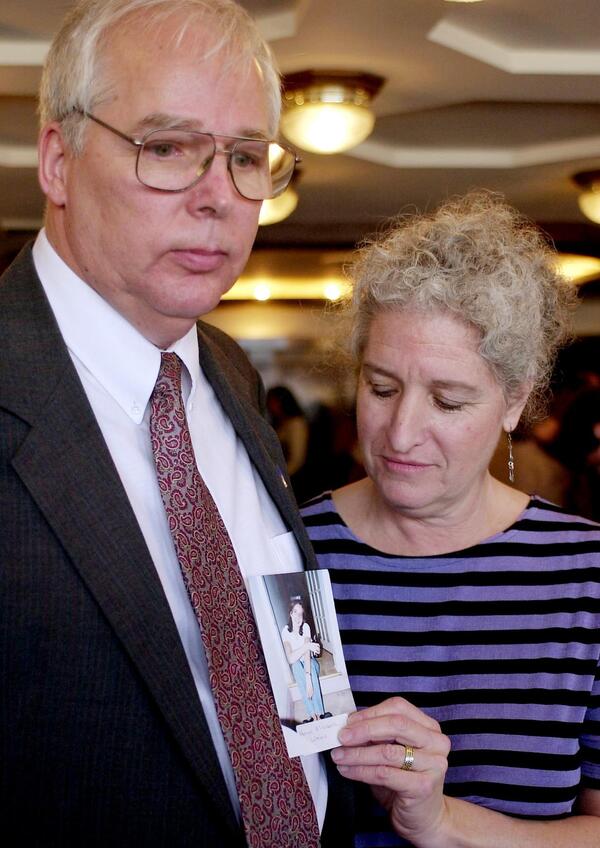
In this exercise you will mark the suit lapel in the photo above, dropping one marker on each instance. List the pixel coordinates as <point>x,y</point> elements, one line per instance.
<point>67,468</point>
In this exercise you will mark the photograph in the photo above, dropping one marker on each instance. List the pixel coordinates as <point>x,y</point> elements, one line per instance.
<point>296,619</point>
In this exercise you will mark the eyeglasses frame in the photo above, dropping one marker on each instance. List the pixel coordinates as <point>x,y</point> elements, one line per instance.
<point>139,145</point>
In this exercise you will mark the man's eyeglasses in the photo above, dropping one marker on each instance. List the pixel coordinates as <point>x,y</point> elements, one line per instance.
<point>175,160</point>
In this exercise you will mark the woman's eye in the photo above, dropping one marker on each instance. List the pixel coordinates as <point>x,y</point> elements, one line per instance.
<point>448,405</point>
<point>381,391</point>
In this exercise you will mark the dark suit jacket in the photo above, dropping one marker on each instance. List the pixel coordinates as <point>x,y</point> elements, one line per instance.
<point>103,740</point>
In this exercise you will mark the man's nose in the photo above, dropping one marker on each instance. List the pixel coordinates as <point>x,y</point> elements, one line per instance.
<point>215,190</point>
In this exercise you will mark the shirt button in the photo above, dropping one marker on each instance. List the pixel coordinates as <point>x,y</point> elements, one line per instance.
<point>135,408</point>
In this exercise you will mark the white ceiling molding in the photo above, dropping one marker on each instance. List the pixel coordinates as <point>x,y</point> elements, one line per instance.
<point>281,24</point>
<point>396,156</point>
<point>21,53</point>
<point>523,156</point>
<point>18,156</point>
<point>515,60</point>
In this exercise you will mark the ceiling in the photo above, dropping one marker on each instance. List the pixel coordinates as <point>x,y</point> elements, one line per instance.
<point>501,93</point>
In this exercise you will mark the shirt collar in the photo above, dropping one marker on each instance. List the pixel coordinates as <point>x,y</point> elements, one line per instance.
<point>117,355</point>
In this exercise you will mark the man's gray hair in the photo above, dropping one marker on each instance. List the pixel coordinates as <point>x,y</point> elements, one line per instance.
<point>74,77</point>
<point>478,259</point>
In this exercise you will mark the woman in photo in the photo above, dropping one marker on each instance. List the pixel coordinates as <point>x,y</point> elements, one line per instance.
<point>301,652</point>
<point>469,611</point>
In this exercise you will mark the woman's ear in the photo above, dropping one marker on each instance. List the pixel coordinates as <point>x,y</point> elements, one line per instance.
<point>52,154</point>
<point>515,406</point>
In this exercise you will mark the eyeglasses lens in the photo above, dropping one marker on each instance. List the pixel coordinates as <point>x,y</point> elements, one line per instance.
<point>173,160</point>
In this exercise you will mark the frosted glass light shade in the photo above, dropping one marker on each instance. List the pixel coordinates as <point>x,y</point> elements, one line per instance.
<point>589,203</point>
<point>278,208</point>
<point>328,111</point>
<point>328,127</point>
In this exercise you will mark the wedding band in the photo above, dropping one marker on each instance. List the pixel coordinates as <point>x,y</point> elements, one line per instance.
<point>409,758</point>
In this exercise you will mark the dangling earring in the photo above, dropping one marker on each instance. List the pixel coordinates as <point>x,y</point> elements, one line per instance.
<point>511,460</point>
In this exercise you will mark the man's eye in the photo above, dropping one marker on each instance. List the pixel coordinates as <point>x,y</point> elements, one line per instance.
<point>161,149</point>
<point>246,158</point>
<point>242,160</point>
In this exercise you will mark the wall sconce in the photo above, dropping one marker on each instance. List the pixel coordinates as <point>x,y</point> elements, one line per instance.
<point>328,111</point>
<point>589,199</point>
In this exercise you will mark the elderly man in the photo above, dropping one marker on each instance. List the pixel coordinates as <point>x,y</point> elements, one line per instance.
<point>139,482</point>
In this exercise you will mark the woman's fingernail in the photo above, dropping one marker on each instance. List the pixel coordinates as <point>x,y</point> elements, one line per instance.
<point>345,735</point>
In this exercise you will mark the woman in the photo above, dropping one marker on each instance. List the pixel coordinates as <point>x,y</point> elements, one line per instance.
<point>300,652</point>
<point>469,611</point>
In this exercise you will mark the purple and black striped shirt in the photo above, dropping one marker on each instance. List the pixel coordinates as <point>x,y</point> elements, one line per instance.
<point>499,642</point>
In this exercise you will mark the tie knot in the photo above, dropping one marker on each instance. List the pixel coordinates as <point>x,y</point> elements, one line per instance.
<point>170,368</point>
<point>168,382</point>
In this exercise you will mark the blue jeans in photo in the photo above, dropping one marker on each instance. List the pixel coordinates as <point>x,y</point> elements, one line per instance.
<point>314,705</point>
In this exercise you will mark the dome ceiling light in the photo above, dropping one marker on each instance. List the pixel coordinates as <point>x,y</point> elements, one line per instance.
<point>328,111</point>
<point>589,199</point>
<point>277,209</point>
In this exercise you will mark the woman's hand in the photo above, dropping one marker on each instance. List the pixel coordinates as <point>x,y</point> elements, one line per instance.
<point>374,751</point>
<point>315,648</point>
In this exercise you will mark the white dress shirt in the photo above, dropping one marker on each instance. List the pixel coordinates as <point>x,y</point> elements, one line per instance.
<point>118,368</point>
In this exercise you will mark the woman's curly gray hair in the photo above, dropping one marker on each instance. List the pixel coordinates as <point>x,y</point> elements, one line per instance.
<point>480,260</point>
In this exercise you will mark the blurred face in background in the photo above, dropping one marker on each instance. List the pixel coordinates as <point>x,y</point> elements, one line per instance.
<point>593,459</point>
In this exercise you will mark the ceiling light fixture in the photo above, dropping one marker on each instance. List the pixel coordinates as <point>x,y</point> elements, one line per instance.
<point>328,111</point>
<point>578,269</point>
<point>589,199</point>
<point>277,209</point>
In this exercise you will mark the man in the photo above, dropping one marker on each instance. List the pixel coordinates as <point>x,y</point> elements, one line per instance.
<point>119,726</point>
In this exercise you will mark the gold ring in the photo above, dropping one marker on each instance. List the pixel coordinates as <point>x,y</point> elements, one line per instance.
<point>409,758</point>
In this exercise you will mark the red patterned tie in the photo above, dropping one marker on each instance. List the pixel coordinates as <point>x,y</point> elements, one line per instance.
<point>276,804</point>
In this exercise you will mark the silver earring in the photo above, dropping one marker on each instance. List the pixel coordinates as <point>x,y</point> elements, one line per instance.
<point>511,460</point>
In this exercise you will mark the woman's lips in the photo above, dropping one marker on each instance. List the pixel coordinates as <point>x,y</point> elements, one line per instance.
<point>404,465</point>
<point>199,259</point>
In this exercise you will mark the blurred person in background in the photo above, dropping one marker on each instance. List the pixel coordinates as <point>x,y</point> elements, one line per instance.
<point>578,446</point>
<point>291,425</point>
<point>469,610</point>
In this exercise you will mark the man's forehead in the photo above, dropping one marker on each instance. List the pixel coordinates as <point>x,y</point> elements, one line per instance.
<point>173,30</point>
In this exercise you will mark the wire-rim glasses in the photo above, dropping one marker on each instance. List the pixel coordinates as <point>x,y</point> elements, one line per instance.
<point>175,160</point>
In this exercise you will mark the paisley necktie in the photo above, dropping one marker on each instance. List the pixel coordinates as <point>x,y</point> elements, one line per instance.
<point>277,808</point>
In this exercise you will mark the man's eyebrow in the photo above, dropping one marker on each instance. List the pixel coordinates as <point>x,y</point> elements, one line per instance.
<point>163,121</point>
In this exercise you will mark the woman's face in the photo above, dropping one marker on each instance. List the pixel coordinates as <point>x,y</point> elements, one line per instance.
<point>429,411</point>
<point>297,615</point>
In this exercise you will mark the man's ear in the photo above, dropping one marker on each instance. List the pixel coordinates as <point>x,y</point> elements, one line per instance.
<point>515,406</point>
<point>52,168</point>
